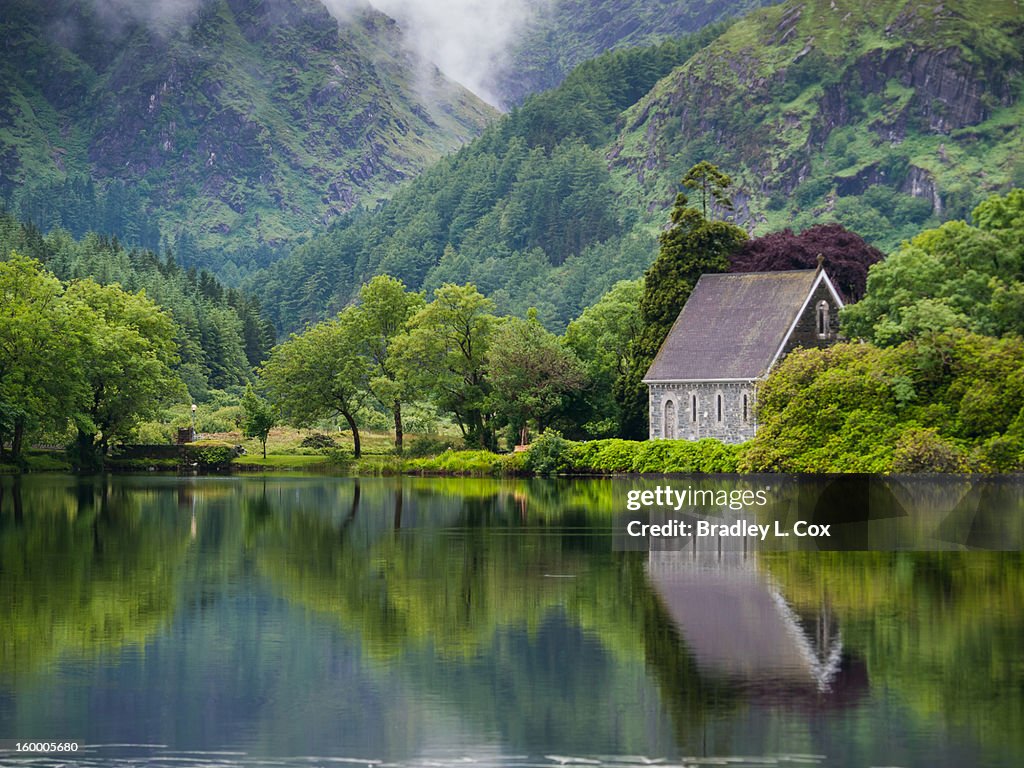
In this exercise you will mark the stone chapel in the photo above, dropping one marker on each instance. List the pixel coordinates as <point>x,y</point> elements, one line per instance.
<point>730,333</point>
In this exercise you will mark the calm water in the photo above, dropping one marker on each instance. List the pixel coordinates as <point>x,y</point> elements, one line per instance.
<point>326,621</point>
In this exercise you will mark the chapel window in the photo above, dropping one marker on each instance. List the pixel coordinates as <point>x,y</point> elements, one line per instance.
<point>822,319</point>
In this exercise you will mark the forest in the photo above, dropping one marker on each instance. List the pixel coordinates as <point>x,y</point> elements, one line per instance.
<point>100,340</point>
<point>931,377</point>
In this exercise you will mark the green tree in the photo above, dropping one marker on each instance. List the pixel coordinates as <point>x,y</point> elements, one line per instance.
<point>445,352</point>
<point>691,247</point>
<point>951,401</point>
<point>531,374</point>
<point>604,339</point>
<point>40,375</point>
<point>385,307</point>
<point>128,351</point>
<point>321,373</point>
<point>955,276</point>
<point>258,417</point>
<point>711,185</point>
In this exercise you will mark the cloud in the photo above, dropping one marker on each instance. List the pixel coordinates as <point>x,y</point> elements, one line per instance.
<point>468,40</point>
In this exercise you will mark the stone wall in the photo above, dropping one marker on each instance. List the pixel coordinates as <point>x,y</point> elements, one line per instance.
<point>732,428</point>
<point>805,332</point>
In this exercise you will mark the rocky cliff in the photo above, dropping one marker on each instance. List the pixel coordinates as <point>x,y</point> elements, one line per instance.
<point>811,105</point>
<point>242,121</point>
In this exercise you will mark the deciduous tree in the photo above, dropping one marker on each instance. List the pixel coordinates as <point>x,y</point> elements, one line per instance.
<point>258,417</point>
<point>384,308</point>
<point>530,373</point>
<point>126,358</point>
<point>40,372</point>
<point>321,373</point>
<point>955,276</point>
<point>444,354</point>
<point>604,339</point>
<point>847,255</point>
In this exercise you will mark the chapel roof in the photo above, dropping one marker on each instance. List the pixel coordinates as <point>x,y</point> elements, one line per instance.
<point>733,326</point>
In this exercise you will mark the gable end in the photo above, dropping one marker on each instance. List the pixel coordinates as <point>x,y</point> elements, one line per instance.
<point>806,330</point>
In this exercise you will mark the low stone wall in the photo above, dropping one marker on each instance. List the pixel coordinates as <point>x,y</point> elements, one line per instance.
<point>156,451</point>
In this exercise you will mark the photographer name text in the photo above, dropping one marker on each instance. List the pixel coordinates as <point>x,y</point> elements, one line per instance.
<point>739,529</point>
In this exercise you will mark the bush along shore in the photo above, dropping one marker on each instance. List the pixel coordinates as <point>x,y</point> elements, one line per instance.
<point>550,454</point>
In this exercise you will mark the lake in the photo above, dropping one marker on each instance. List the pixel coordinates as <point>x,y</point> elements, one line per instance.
<point>309,620</point>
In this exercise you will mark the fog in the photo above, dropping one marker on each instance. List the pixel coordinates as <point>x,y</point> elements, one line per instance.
<point>468,40</point>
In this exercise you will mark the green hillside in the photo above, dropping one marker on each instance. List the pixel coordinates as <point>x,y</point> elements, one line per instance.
<point>887,118</point>
<point>522,200</point>
<point>250,125</point>
<point>880,115</point>
<point>566,33</point>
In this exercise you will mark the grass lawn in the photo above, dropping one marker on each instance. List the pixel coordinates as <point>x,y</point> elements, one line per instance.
<point>282,461</point>
<point>287,441</point>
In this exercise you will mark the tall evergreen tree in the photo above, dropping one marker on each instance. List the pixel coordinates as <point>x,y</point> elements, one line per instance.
<point>691,246</point>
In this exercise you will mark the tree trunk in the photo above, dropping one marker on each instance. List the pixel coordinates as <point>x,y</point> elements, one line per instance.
<point>264,448</point>
<point>356,451</point>
<point>19,436</point>
<point>86,451</point>
<point>398,427</point>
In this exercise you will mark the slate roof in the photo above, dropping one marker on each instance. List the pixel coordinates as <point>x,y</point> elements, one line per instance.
<point>731,326</point>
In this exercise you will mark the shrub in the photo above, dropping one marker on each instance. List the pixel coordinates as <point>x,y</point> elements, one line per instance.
<point>339,456</point>
<point>921,449</point>
<point>614,456</point>
<point>655,456</point>
<point>512,463</point>
<point>210,454</point>
<point>223,419</point>
<point>1001,453</point>
<point>154,433</point>
<point>460,463</point>
<point>319,441</point>
<point>428,445</point>
<point>548,454</point>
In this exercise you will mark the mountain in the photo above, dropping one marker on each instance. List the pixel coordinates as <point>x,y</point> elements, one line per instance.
<point>240,123</point>
<point>881,115</point>
<point>564,33</point>
<point>886,117</point>
<point>532,192</point>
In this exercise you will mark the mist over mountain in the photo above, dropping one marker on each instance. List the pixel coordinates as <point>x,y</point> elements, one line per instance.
<point>228,123</point>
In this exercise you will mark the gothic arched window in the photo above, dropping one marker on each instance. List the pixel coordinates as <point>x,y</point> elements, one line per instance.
<point>670,420</point>
<point>822,319</point>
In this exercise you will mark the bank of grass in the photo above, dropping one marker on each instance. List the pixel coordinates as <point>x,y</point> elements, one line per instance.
<point>276,461</point>
<point>550,454</point>
<point>37,461</point>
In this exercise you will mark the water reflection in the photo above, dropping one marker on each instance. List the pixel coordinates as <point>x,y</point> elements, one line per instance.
<point>396,620</point>
<point>738,625</point>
